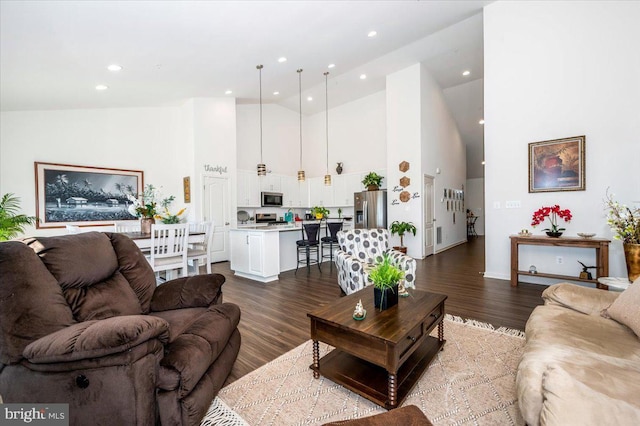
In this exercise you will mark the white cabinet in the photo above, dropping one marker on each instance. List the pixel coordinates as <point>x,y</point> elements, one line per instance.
<point>319,193</point>
<point>344,186</point>
<point>295,193</point>
<point>248,189</point>
<point>271,183</point>
<point>255,254</point>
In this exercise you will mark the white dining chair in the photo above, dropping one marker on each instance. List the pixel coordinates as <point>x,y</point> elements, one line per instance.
<point>169,248</point>
<point>126,226</point>
<point>201,251</point>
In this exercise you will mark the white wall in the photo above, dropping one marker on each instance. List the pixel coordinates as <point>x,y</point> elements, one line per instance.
<point>167,144</point>
<point>149,139</point>
<point>421,131</point>
<point>554,70</point>
<point>356,137</point>
<point>444,150</point>
<point>474,201</point>
<point>280,138</point>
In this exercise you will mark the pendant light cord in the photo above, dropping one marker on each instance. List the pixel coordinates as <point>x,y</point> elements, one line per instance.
<point>326,99</point>
<point>260,69</point>
<point>300,91</point>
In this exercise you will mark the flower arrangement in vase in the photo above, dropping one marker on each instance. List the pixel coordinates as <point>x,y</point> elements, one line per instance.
<point>146,208</point>
<point>552,213</point>
<point>625,223</point>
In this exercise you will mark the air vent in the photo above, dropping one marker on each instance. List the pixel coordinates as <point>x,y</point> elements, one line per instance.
<point>439,235</point>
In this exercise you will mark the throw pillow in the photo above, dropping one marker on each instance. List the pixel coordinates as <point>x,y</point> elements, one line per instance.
<point>626,308</point>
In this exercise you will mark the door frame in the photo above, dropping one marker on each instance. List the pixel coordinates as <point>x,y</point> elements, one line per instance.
<point>433,212</point>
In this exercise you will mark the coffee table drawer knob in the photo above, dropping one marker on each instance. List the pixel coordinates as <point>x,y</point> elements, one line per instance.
<point>413,339</point>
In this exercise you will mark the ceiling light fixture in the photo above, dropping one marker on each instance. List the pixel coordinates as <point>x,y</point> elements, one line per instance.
<point>276,93</point>
<point>309,98</point>
<point>300,171</point>
<point>282,59</point>
<point>331,66</point>
<point>481,121</point>
<point>327,177</point>
<point>262,168</point>
<point>483,162</point>
<point>363,76</point>
<point>466,73</point>
<point>372,34</point>
<point>228,92</point>
<point>101,87</point>
<point>114,67</point>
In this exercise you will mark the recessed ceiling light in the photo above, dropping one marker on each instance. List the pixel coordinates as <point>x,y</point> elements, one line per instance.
<point>372,34</point>
<point>466,73</point>
<point>483,163</point>
<point>481,121</point>
<point>309,98</point>
<point>101,87</point>
<point>282,59</point>
<point>276,93</point>
<point>363,76</point>
<point>114,67</point>
<point>228,92</point>
<point>331,66</point>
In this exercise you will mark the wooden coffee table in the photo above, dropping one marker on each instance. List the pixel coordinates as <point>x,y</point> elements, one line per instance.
<point>383,356</point>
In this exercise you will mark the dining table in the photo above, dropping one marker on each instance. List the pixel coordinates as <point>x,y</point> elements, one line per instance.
<point>143,240</point>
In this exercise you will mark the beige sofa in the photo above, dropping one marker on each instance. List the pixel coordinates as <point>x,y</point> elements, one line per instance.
<point>581,363</point>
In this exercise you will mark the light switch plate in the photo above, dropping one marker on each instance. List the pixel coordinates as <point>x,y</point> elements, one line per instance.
<point>496,204</point>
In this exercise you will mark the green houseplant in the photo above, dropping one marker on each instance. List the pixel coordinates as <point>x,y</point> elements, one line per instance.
<point>400,228</point>
<point>12,223</point>
<point>385,277</point>
<point>372,181</point>
<point>320,212</point>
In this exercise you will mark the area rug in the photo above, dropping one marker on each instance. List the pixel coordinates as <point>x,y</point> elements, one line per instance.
<point>472,381</point>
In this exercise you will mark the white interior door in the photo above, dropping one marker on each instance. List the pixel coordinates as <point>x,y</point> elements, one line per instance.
<point>428,216</point>
<point>216,208</point>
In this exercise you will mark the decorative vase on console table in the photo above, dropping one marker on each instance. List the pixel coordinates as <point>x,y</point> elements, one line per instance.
<point>554,234</point>
<point>632,258</point>
<point>145,224</point>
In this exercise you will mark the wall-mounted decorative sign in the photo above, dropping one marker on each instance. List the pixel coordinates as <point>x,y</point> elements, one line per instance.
<point>215,169</point>
<point>404,166</point>
<point>405,181</point>
<point>82,195</point>
<point>405,196</point>
<point>557,165</point>
<point>186,183</point>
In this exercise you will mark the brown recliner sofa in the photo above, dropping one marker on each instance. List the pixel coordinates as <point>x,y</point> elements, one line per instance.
<point>82,322</point>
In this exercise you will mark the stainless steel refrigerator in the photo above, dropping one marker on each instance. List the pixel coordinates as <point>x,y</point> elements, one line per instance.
<point>370,209</point>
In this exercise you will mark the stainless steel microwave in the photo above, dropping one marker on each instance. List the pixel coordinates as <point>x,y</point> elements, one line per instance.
<point>271,199</point>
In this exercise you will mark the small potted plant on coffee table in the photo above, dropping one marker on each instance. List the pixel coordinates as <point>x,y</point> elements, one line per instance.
<point>386,277</point>
<point>400,228</point>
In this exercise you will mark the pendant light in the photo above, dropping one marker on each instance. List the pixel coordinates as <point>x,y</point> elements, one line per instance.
<point>262,168</point>
<point>327,177</point>
<point>300,171</point>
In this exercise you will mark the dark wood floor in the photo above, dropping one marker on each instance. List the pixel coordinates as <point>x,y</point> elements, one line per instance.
<point>274,315</point>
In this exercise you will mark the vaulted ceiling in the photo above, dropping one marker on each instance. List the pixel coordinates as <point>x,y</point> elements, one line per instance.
<point>54,53</point>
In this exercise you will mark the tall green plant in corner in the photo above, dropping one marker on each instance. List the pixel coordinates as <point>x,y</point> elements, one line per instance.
<point>12,223</point>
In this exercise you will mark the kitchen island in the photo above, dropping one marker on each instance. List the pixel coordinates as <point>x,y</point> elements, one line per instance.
<point>261,252</point>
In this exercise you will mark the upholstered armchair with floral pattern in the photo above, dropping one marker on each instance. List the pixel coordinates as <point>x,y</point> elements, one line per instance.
<point>359,250</point>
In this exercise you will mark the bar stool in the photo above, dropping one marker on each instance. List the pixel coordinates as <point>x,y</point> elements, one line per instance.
<point>330,238</point>
<point>308,245</point>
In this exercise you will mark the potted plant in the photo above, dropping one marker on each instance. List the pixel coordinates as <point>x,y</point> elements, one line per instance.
<point>12,223</point>
<point>385,277</point>
<point>320,212</point>
<point>372,181</point>
<point>625,223</point>
<point>400,228</point>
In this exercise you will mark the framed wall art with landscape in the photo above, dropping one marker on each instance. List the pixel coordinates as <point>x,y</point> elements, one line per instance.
<point>84,196</point>
<point>557,165</point>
